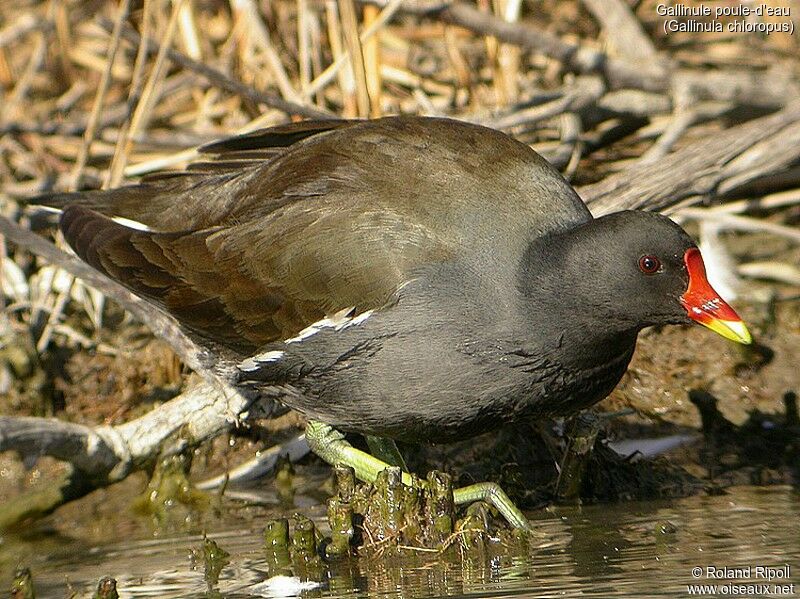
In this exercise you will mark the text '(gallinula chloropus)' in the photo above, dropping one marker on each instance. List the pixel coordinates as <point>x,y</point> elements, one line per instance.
<point>404,278</point>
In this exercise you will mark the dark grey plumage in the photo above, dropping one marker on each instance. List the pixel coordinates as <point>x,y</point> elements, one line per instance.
<point>464,281</point>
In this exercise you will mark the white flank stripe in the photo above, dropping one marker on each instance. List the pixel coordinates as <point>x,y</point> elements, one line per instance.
<point>338,322</point>
<point>253,363</point>
<point>358,319</point>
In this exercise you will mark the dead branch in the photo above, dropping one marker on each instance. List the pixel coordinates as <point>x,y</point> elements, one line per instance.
<point>623,31</point>
<point>711,167</point>
<point>103,455</point>
<point>584,92</point>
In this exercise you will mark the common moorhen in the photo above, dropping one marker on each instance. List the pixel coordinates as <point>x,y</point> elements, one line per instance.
<point>406,278</point>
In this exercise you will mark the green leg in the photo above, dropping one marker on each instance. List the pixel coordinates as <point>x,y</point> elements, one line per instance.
<point>330,445</point>
<point>494,495</point>
<point>386,450</point>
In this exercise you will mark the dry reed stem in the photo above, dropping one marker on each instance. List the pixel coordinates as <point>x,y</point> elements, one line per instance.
<point>99,99</point>
<point>352,40</point>
<point>125,135</point>
<point>150,93</point>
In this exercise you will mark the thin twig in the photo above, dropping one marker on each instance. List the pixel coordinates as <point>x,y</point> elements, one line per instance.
<point>124,137</point>
<point>99,99</point>
<point>221,80</point>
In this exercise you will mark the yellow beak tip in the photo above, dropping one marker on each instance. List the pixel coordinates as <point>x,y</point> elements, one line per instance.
<point>735,330</point>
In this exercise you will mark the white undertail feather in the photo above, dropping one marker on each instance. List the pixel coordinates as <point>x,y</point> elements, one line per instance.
<point>131,224</point>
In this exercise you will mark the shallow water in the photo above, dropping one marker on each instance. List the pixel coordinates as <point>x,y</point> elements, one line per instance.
<point>622,550</point>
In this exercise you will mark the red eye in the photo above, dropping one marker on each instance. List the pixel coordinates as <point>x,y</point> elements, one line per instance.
<point>649,265</point>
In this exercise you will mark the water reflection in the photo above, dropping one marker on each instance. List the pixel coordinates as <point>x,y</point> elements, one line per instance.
<point>627,549</point>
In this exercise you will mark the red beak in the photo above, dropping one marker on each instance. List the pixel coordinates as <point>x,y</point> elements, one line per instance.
<point>705,306</point>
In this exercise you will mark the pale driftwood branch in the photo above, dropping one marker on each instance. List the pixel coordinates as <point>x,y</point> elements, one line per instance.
<point>684,118</point>
<point>705,168</point>
<point>103,455</point>
<point>567,154</point>
<point>771,270</point>
<point>635,102</point>
<point>200,413</point>
<point>773,88</point>
<point>261,464</point>
<point>622,29</point>
<point>585,91</point>
<point>87,448</point>
<point>741,223</point>
<point>108,453</point>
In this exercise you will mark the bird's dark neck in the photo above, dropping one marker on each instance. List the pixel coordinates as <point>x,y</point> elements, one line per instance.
<point>564,307</point>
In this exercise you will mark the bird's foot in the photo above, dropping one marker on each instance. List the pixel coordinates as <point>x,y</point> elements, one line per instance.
<point>493,494</point>
<point>331,446</point>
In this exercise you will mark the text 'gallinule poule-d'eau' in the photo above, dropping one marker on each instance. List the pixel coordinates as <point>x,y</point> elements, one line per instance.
<point>404,278</point>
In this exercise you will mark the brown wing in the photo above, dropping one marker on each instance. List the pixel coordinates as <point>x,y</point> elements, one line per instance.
<point>337,215</point>
<point>271,138</point>
<point>247,285</point>
<point>201,195</point>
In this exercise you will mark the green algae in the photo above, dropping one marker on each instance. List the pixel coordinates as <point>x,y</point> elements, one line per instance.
<point>22,585</point>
